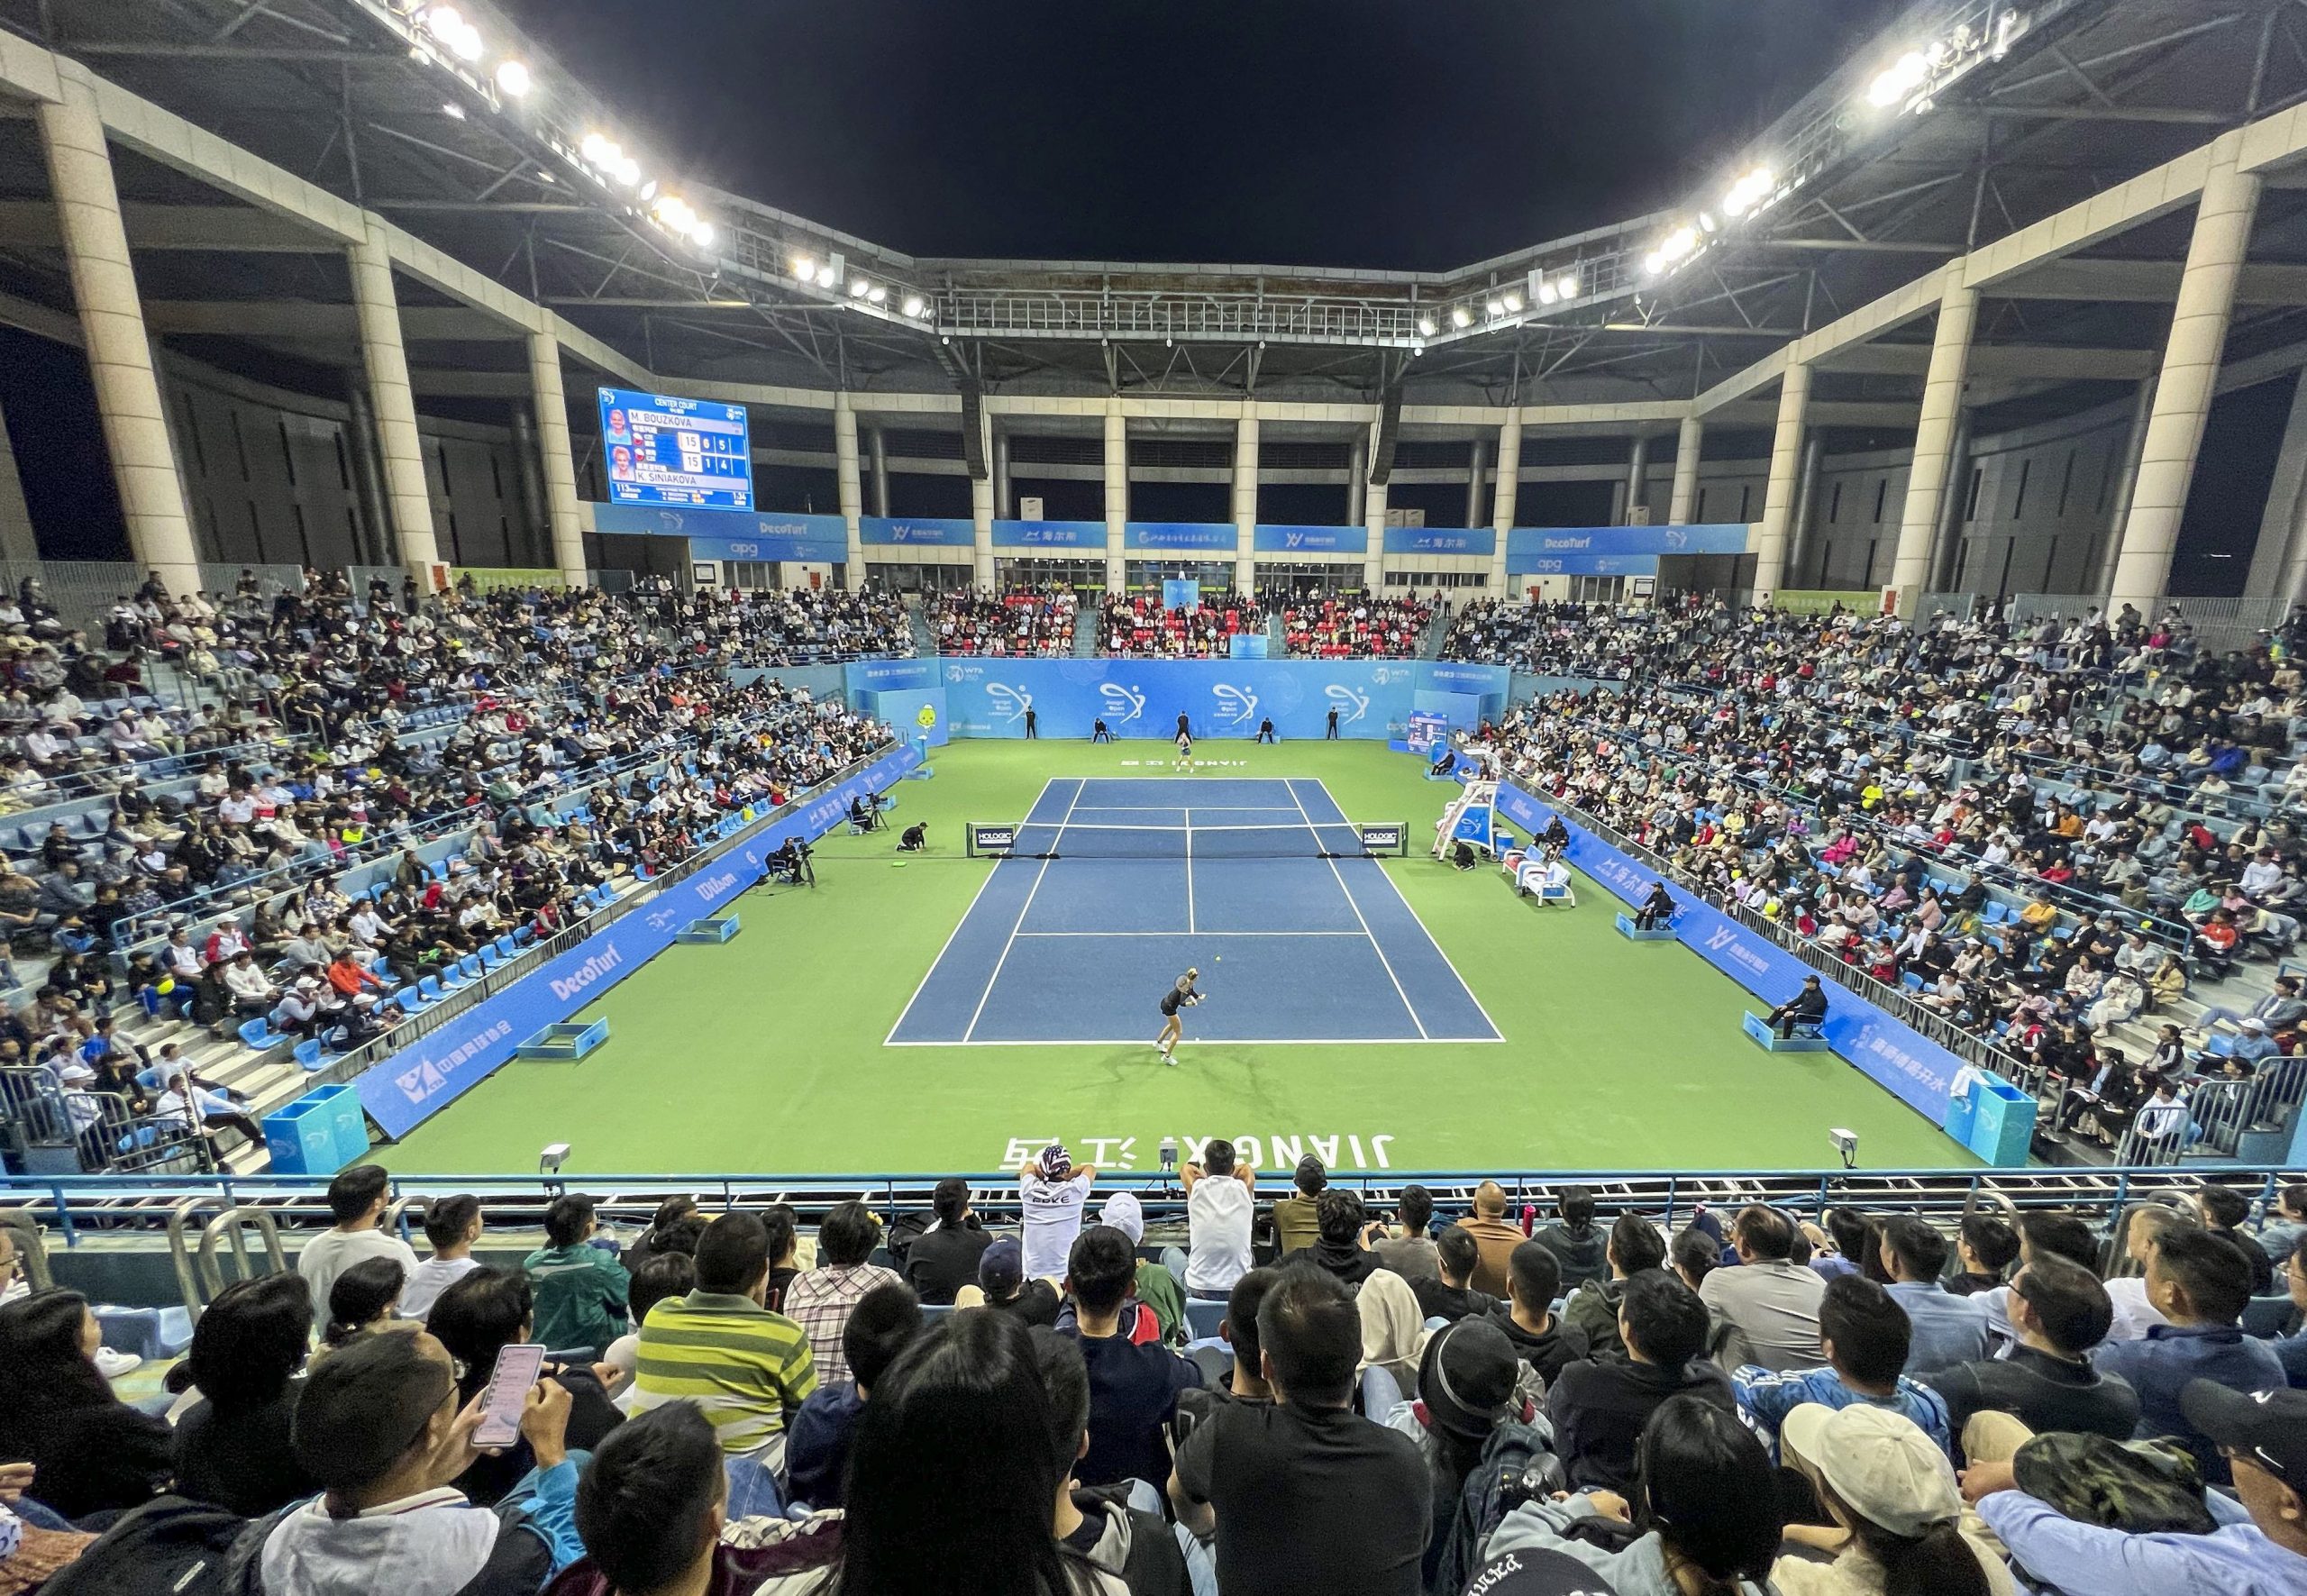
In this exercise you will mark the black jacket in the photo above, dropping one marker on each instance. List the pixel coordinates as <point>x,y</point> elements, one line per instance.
<point>943,1261</point>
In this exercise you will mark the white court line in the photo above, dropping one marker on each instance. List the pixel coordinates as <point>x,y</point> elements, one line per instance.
<point>1464,985</point>
<point>1375,946</point>
<point>1024,933</point>
<point>890,1041</point>
<point>1189,814</point>
<point>1011,942</point>
<point>1139,1041</point>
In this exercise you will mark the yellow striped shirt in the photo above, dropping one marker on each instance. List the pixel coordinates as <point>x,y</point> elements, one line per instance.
<point>747,1368</point>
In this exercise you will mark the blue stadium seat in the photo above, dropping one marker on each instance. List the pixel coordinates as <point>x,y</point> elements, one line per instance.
<point>431,989</point>
<point>308,1052</point>
<point>257,1034</point>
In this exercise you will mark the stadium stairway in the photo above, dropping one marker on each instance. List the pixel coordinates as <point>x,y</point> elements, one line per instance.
<point>924,638</point>
<point>1430,647</point>
<point>1085,635</point>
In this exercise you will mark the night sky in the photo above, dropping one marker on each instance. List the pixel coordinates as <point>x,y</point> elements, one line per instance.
<point>1400,134</point>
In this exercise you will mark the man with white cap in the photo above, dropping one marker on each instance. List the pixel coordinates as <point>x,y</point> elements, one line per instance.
<point>1157,1288</point>
<point>1892,1492</point>
<point>2260,1546</point>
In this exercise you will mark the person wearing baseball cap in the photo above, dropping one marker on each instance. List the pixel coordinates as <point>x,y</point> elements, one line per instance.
<point>1890,1485</point>
<point>1001,1283</point>
<point>2258,1549</point>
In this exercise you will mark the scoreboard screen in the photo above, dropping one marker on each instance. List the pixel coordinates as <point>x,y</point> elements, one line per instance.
<point>667,450</point>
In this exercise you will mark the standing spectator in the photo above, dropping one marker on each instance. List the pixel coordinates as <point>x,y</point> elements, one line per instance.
<point>1769,1305</point>
<point>1221,1202</point>
<point>2060,1311</point>
<point>581,1288</point>
<point>2201,1283</point>
<point>1948,1329</point>
<point>1134,1385</point>
<point>356,1197</point>
<point>1297,1221</point>
<point>1592,1311</point>
<point>944,1258</point>
<point>1541,1340</point>
<point>1495,1237</point>
<point>885,1320</point>
<point>233,1446</point>
<point>1890,1487</point>
<point>1054,1194</point>
<point>819,1301</point>
<point>452,1225</point>
<point>90,1450</point>
<point>1866,1337</point>
<point>1598,1407</point>
<point>1408,1251</point>
<point>1580,1248</point>
<point>1305,1497</point>
<point>748,1369</point>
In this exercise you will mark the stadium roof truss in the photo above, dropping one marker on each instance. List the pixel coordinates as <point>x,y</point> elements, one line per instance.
<point>1969,121</point>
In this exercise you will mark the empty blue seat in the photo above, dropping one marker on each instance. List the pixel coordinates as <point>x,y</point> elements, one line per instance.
<point>431,987</point>
<point>257,1034</point>
<point>411,1000</point>
<point>308,1052</point>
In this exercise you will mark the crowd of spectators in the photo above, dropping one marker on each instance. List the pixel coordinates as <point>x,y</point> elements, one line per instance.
<point>585,740</point>
<point>1134,625</point>
<point>1863,785</point>
<point>1017,623</point>
<point>1408,1404</point>
<point>1356,627</point>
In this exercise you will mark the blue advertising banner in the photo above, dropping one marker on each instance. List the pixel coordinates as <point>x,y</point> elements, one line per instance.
<point>1181,593</point>
<point>1585,565</point>
<point>1526,543</point>
<point>1441,540</point>
<point>405,1090</point>
<point>1176,536</point>
<point>1312,540</point>
<point>915,531</point>
<point>662,450</point>
<point>1049,535</point>
<point>1249,645</point>
<point>878,676</point>
<point>716,534</point>
<point>1892,1053</point>
<point>1484,681</point>
<point>1143,698</point>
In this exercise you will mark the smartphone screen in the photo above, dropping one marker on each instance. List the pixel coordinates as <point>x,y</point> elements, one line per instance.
<point>508,1392</point>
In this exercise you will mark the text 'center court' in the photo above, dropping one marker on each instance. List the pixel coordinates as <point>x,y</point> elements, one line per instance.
<point>1116,886</point>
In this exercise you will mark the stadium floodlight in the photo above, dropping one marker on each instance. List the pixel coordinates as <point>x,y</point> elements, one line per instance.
<point>859,288</point>
<point>1426,326</point>
<point>803,269</point>
<point>912,305</point>
<point>596,149</point>
<point>1512,301</point>
<point>1653,264</point>
<point>1748,192</point>
<point>1494,308</point>
<point>828,275</point>
<point>1568,286</point>
<point>1546,296</point>
<point>877,294</point>
<point>512,80</point>
<point>703,234</point>
<point>628,171</point>
<point>458,36</point>
<point>1897,81</point>
<point>1461,318</point>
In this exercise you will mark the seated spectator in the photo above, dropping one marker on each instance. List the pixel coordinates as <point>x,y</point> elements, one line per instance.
<point>1449,1295</point>
<point>2199,1284</point>
<point>748,1369</point>
<point>1598,1407</point>
<point>361,1303</point>
<point>1407,1249</point>
<point>2280,1237</point>
<point>232,1444</point>
<point>1948,1329</point>
<point>1393,1330</point>
<point>356,1197</point>
<point>2223,1210</point>
<point>1001,1285</point>
<point>1304,1496</point>
<point>2060,1312</point>
<point>2260,1542</point>
<point>1768,1304</point>
<point>1592,1311</point>
<point>477,1319</point>
<point>944,1258</point>
<point>1221,1203</point>
<point>1986,1248</point>
<point>1702,1512</point>
<point>819,1301</point>
<point>580,1288</point>
<point>1467,1374</point>
<point>1581,1249</point>
<point>452,1227</point>
<point>1694,1254</point>
<point>90,1450</point>
<point>1099,1523</point>
<point>1495,1237</point>
<point>817,1455</point>
<point>1866,1340</point>
<point>1297,1221</point>
<point>674,1228</point>
<point>1539,1338</point>
<point>666,1274</point>
<point>1345,1231</point>
<point>1134,1384</point>
<point>382,1425</point>
<point>1892,1493</point>
<point>1156,1288</point>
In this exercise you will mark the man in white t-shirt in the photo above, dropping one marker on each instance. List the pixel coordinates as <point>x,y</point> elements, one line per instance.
<point>452,1225</point>
<point>1221,1201</point>
<point>1053,1194</point>
<point>356,1196</point>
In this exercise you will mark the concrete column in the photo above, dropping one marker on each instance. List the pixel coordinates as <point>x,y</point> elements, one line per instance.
<point>375,542</point>
<point>1785,480</point>
<point>2278,562</point>
<point>16,542</point>
<point>1637,469</point>
<point>1801,537</point>
<point>1934,437</point>
<point>1373,519</point>
<point>1357,476</point>
<point>2125,485</point>
<point>1477,480</point>
<point>2215,254</point>
<point>848,487</point>
<point>1116,492</point>
<point>981,508</point>
<point>528,487</point>
<point>1684,493</point>
<point>879,444</point>
<point>557,458</point>
<point>1947,542</point>
<point>1004,506</point>
<point>111,324</point>
<point>1246,498</point>
<point>1503,503</point>
<point>407,498</point>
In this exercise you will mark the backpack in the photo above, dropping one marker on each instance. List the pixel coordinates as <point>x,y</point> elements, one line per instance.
<point>1151,1557</point>
<point>1493,1487</point>
<point>169,1547</point>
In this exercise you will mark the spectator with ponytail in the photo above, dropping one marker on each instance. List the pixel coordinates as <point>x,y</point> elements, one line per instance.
<point>232,1445</point>
<point>1897,1512</point>
<point>361,1301</point>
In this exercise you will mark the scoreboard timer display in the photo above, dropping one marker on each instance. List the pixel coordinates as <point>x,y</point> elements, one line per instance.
<point>661,450</point>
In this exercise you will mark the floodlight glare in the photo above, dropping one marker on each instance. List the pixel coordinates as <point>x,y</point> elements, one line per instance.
<point>1896,82</point>
<point>1546,296</point>
<point>453,111</point>
<point>1512,301</point>
<point>1653,264</point>
<point>857,287</point>
<point>1461,318</point>
<point>1748,192</point>
<point>628,171</point>
<point>877,294</point>
<point>1568,286</point>
<point>827,275</point>
<point>1493,309</point>
<point>912,306</point>
<point>804,269</point>
<point>594,148</point>
<point>702,235</point>
<point>1426,326</point>
<point>512,80</point>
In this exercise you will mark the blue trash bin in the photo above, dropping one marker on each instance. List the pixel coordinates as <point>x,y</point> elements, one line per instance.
<point>307,1137</point>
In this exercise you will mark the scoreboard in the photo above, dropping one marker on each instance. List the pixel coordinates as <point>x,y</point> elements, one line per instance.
<point>661,450</point>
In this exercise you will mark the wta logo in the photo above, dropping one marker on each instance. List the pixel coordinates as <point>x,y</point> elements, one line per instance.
<point>1121,702</point>
<point>1351,705</point>
<point>1009,703</point>
<point>1235,705</point>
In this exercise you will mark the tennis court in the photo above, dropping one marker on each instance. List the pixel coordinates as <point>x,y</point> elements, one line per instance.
<point>1116,886</point>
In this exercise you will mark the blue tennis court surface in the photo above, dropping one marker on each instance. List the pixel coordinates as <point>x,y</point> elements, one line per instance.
<point>1229,875</point>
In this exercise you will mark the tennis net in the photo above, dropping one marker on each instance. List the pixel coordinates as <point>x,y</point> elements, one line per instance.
<point>1309,839</point>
